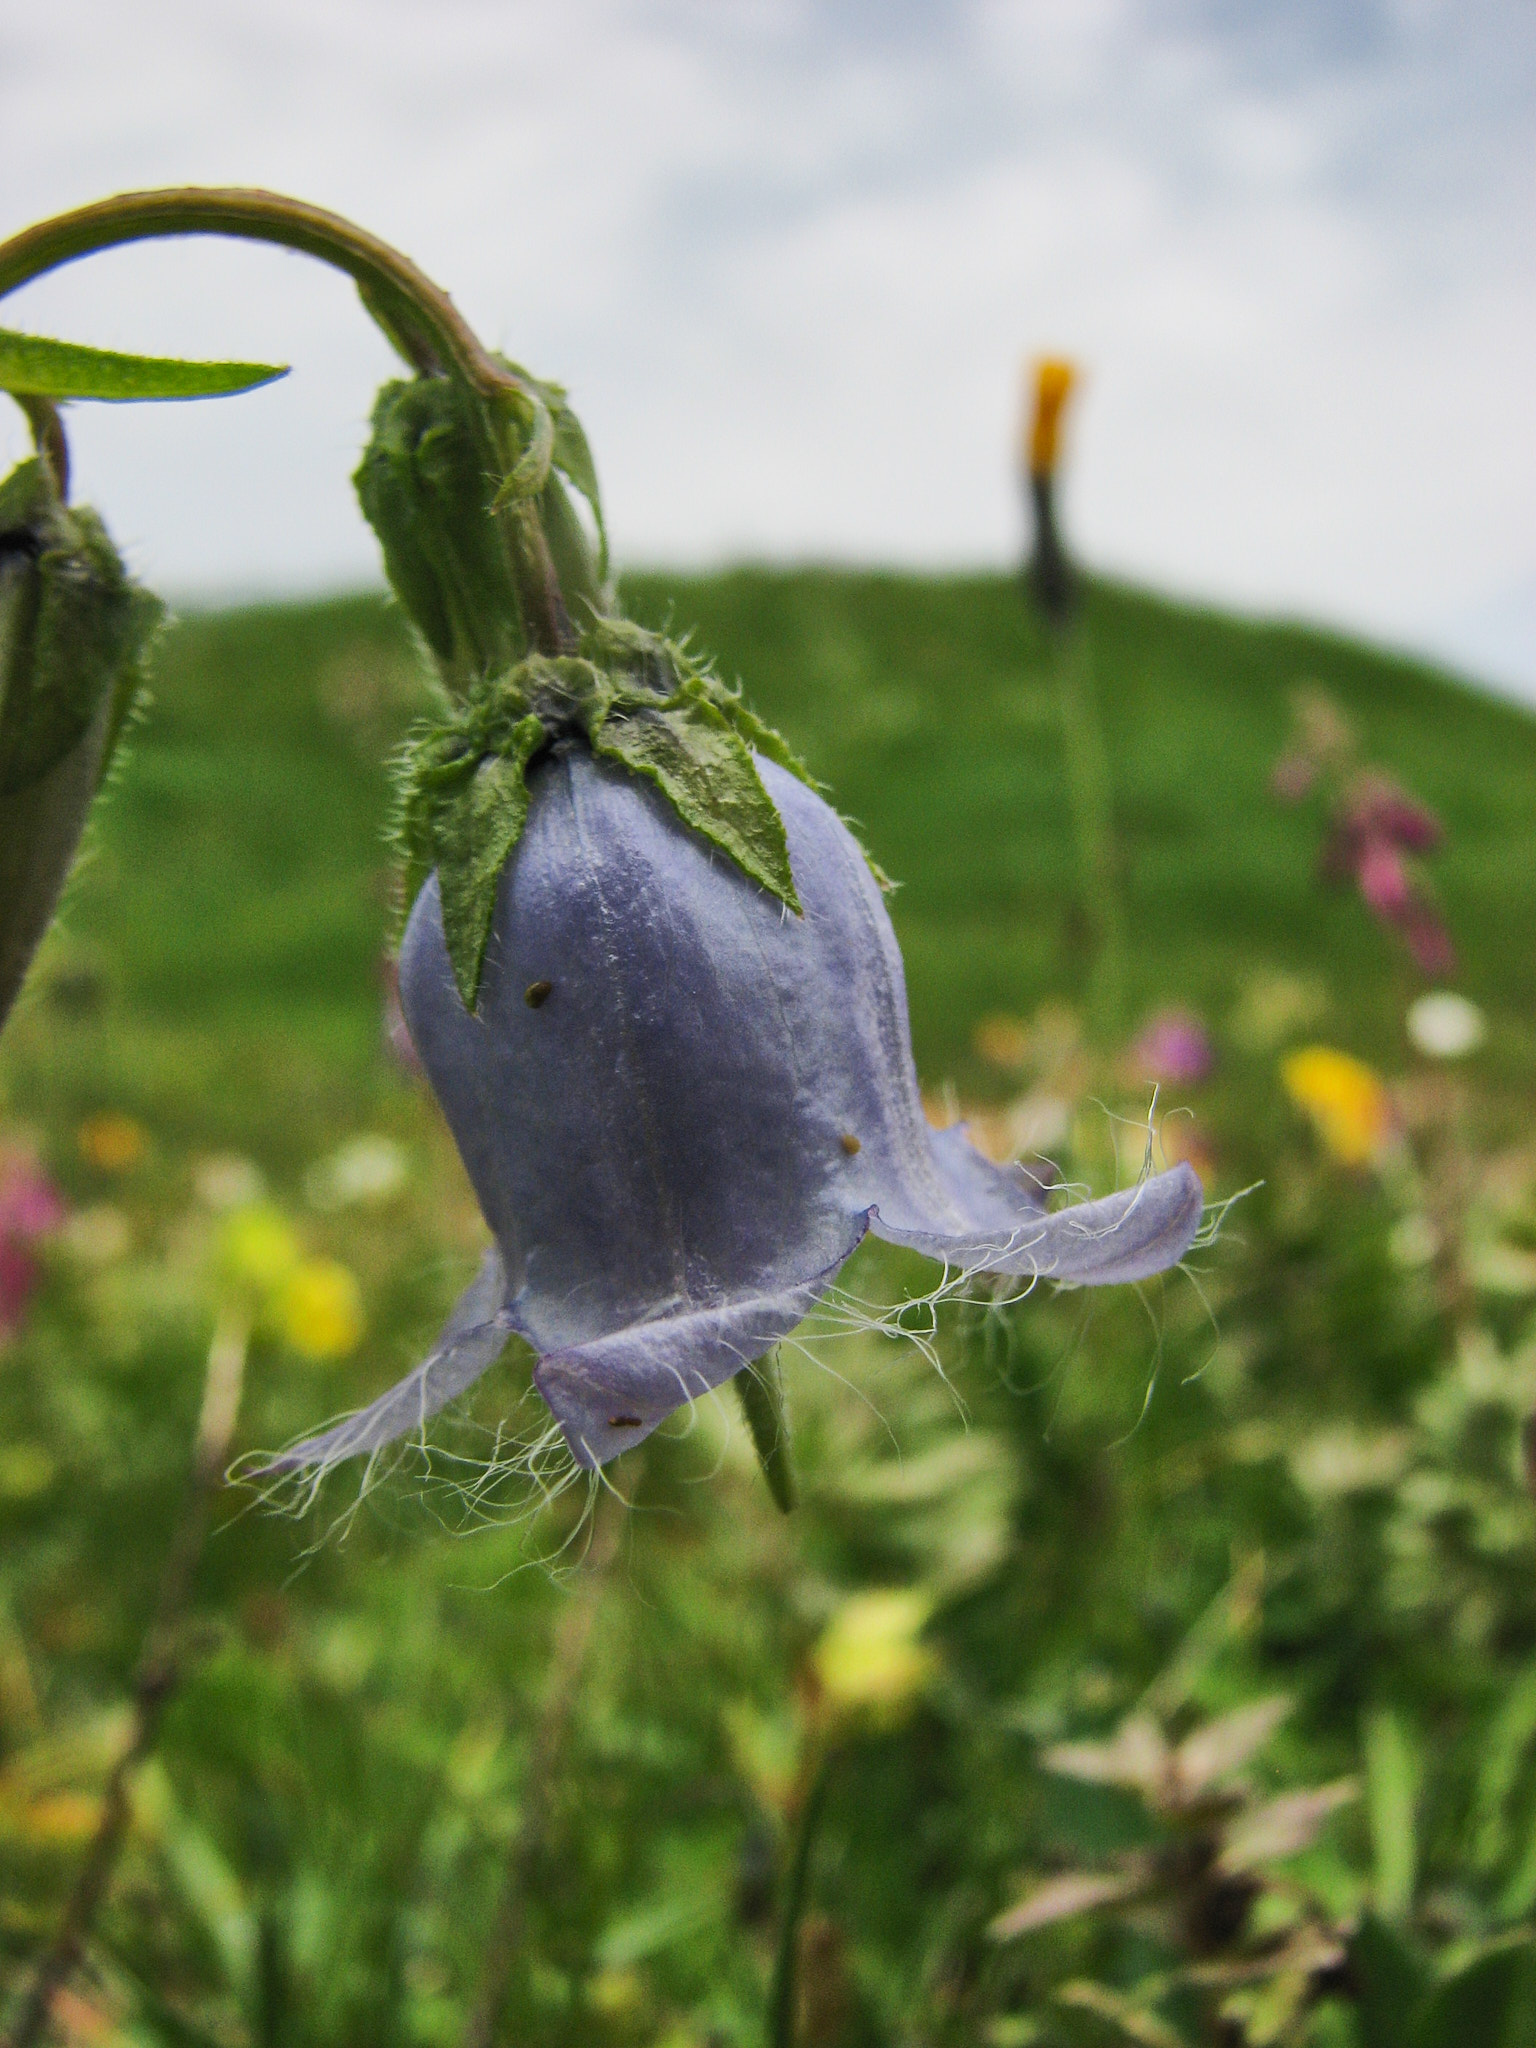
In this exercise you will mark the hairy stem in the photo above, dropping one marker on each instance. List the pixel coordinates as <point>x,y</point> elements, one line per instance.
<point>417,316</point>
<point>155,1681</point>
<point>572,1637</point>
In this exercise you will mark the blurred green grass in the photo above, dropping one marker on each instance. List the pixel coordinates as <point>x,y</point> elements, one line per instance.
<point>353,1744</point>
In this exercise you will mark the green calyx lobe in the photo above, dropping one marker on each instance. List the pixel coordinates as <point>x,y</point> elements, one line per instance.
<point>631,697</point>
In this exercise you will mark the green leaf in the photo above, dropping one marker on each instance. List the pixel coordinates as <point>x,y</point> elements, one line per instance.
<point>761,1391</point>
<point>1390,1980</point>
<point>32,366</point>
<point>690,751</point>
<point>1122,2018</point>
<point>1504,1750</point>
<point>1490,2001</point>
<point>475,836</point>
<point>1391,1792</point>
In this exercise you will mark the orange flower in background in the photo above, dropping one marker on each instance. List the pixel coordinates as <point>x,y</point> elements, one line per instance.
<point>1054,379</point>
<point>1346,1101</point>
<point>112,1142</point>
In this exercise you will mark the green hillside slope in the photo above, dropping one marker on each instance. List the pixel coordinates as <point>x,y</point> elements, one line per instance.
<point>232,915</point>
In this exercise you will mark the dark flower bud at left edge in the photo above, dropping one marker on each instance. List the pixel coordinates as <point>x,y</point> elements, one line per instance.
<point>74,629</point>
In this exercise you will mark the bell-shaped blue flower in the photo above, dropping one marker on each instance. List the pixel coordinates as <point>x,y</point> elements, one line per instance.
<point>682,1106</point>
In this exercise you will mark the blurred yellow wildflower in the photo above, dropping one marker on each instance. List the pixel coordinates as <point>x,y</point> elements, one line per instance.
<point>869,1660</point>
<point>320,1310</point>
<point>1054,378</point>
<point>256,1251</point>
<point>1346,1100</point>
<point>111,1142</point>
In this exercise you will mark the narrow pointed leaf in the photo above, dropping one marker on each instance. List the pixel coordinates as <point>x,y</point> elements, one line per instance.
<point>1392,1774</point>
<point>1064,1897</point>
<point>1283,1827</point>
<point>33,366</point>
<point>1220,1747</point>
<point>761,1391</point>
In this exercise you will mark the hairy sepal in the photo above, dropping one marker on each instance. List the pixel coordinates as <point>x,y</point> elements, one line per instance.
<point>635,700</point>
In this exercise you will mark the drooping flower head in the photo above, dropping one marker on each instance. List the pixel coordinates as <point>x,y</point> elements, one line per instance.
<point>651,978</point>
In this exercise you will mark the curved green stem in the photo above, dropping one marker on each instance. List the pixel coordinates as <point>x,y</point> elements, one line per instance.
<point>417,316</point>
<point>433,334</point>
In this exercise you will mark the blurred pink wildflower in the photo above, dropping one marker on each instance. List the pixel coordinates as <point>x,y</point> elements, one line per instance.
<point>30,1207</point>
<point>1374,828</point>
<point>1174,1047</point>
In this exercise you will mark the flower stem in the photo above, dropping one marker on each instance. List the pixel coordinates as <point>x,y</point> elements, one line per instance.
<point>572,1637</point>
<point>48,437</point>
<point>417,316</point>
<point>156,1680</point>
<point>1089,795</point>
<point>784,1990</point>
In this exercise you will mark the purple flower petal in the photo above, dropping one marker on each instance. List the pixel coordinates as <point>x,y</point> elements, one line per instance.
<point>610,1394</point>
<point>1128,1236</point>
<point>472,1339</point>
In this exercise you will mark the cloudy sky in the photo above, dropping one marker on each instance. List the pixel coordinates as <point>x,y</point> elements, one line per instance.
<point>790,255</point>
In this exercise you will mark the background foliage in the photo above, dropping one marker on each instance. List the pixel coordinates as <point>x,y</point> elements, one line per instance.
<point>1298,1473</point>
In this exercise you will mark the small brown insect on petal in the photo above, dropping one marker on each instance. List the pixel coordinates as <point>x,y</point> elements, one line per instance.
<point>849,1143</point>
<point>537,994</point>
<point>624,1422</point>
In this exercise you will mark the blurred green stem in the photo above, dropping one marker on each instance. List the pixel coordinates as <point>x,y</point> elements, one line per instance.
<point>1090,797</point>
<point>158,1675</point>
<point>784,1990</point>
<point>568,1659</point>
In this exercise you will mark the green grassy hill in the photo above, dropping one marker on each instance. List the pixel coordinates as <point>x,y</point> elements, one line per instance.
<point>238,895</point>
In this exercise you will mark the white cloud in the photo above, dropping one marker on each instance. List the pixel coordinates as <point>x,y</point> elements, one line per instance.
<point>789,258</point>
